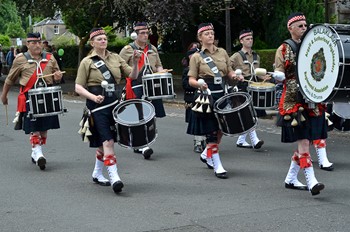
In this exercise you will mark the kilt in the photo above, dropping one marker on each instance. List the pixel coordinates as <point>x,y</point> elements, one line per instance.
<point>205,123</point>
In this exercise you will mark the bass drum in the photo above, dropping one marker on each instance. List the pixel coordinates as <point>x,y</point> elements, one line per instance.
<point>135,123</point>
<point>323,63</point>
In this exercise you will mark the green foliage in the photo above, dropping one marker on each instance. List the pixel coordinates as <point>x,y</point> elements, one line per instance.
<point>8,14</point>
<point>63,41</point>
<point>119,42</point>
<point>5,40</point>
<point>267,58</point>
<point>15,30</point>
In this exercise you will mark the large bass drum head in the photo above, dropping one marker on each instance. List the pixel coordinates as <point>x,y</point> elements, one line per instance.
<point>318,63</point>
<point>133,112</point>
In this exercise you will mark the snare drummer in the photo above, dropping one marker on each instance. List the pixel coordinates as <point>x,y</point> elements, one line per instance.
<point>27,73</point>
<point>207,124</point>
<point>99,67</point>
<point>248,60</point>
<point>149,60</point>
<point>299,123</point>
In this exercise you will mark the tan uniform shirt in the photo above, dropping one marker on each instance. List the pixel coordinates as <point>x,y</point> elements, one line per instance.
<point>89,75</point>
<point>279,59</point>
<point>127,53</point>
<point>21,69</point>
<point>237,63</point>
<point>200,69</point>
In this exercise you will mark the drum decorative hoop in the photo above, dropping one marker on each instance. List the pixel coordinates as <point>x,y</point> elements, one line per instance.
<point>323,63</point>
<point>235,113</point>
<point>45,101</point>
<point>158,85</point>
<point>263,95</point>
<point>135,123</point>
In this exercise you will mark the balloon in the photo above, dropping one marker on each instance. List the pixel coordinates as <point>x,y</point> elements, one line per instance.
<point>60,52</point>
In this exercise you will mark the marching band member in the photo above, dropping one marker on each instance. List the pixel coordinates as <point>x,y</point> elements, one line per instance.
<point>199,69</point>
<point>299,123</point>
<point>247,60</point>
<point>98,78</point>
<point>147,64</point>
<point>189,92</point>
<point>27,67</point>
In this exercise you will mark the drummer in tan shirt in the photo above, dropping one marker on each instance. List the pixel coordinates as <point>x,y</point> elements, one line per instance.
<point>247,61</point>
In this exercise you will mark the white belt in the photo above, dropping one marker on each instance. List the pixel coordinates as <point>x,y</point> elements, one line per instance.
<point>137,86</point>
<point>105,106</point>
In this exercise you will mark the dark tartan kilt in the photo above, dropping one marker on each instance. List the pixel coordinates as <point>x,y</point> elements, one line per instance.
<point>312,129</point>
<point>204,123</point>
<point>40,124</point>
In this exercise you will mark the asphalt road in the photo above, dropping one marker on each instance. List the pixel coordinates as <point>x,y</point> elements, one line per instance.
<point>173,191</point>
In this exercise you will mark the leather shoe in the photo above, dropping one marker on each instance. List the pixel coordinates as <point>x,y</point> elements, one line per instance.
<point>147,153</point>
<point>330,168</point>
<point>102,183</point>
<point>205,161</point>
<point>291,186</point>
<point>244,145</point>
<point>198,148</point>
<point>117,186</point>
<point>221,175</point>
<point>259,144</point>
<point>316,189</point>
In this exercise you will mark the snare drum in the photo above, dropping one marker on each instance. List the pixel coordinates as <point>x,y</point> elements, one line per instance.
<point>235,113</point>
<point>135,123</point>
<point>158,85</point>
<point>45,101</point>
<point>263,95</point>
<point>323,63</point>
<point>341,116</point>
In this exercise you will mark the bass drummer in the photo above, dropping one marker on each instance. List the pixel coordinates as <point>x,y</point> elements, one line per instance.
<point>211,64</point>
<point>300,123</point>
<point>248,60</point>
<point>147,64</point>
<point>27,67</point>
<point>99,67</point>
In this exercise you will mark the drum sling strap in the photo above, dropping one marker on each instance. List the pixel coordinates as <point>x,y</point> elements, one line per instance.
<point>245,60</point>
<point>107,75</point>
<point>292,44</point>
<point>209,61</point>
<point>21,100</point>
<point>128,88</point>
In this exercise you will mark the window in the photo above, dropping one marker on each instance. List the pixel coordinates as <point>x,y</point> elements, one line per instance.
<point>56,29</point>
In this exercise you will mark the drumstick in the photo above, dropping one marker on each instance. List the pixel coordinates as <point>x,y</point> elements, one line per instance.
<point>249,81</point>
<point>49,75</point>
<point>7,115</point>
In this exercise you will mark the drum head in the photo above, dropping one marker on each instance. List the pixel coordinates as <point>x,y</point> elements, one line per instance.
<point>342,109</point>
<point>318,63</point>
<point>133,112</point>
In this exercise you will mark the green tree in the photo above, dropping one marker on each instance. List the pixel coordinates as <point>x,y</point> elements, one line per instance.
<point>5,40</point>
<point>8,14</point>
<point>15,30</point>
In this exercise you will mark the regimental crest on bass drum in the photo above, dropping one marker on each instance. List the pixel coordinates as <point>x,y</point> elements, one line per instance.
<point>318,65</point>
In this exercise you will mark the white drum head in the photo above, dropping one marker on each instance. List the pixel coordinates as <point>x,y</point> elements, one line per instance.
<point>318,63</point>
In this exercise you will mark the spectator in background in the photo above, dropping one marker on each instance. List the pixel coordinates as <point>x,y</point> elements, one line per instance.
<point>46,46</point>
<point>153,37</point>
<point>10,57</point>
<point>2,59</point>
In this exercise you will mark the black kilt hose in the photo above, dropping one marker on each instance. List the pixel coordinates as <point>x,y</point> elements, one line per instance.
<point>205,123</point>
<point>312,129</point>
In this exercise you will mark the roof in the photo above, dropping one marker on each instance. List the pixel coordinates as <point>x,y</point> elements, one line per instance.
<point>56,20</point>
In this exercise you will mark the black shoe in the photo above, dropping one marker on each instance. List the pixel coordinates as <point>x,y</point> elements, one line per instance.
<point>117,186</point>
<point>221,175</point>
<point>138,151</point>
<point>259,144</point>
<point>41,163</point>
<point>205,161</point>
<point>102,183</point>
<point>242,145</point>
<point>198,148</point>
<point>316,189</point>
<point>147,153</point>
<point>330,168</point>
<point>33,161</point>
<point>291,186</point>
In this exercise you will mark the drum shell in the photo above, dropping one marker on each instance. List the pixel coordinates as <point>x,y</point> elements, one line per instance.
<point>239,118</point>
<point>135,134</point>
<point>45,101</point>
<point>341,116</point>
<point>158,86</point>
<point>263,97</point>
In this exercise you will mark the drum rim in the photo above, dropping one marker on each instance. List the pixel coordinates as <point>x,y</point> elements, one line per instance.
<point>46,89</point>
<point>221,99</point>
<point>125,123</point>
<point>341,69</point>
<point>152,75</point>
